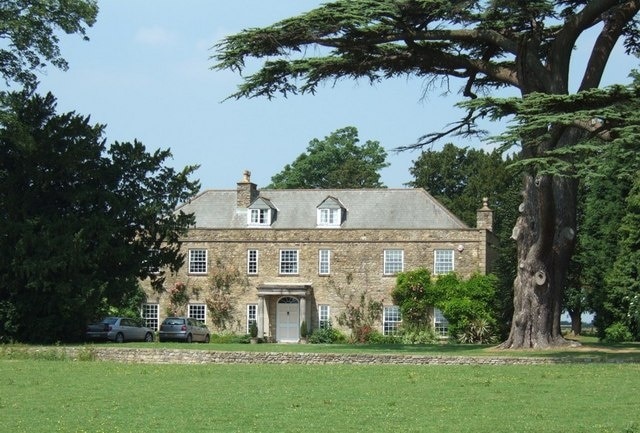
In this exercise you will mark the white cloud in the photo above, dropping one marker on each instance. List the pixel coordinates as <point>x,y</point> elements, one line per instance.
<point>155,36</point>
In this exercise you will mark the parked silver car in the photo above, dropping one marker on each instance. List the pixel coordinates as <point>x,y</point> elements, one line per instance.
<point>183,329</point>
<point>119,329</point>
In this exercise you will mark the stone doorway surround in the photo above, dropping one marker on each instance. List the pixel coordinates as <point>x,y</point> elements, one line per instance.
<point>275,291</point>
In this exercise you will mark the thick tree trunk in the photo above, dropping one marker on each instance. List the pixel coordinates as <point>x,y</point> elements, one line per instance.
<point>545,233</point>
<point>576,321</point>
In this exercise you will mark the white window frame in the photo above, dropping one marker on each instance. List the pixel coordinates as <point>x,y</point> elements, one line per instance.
<point>259,217</point>
<point>197,311</point>
<point>393,261</point>
<point>289,263</point>
<point>391,319</point>
<point>198,261</point>
<point>151,315</point>
<point>324,262</point>
<point>324,316</point>
<point>443,261</point>
<point>252,262</point>
<point>252,316</point>
<point>440,324</point>
<point>329,217</point>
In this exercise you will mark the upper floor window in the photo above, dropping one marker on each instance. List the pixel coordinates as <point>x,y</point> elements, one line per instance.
<point>442,262</point>
<point>198,261</point>
<point>259,217</point>
<point>324,262</point>
<point>288,261</point>
<point>252,262</point>
<point>261,213</point>
<point>393,261</point>
<point>329,217</point>
<point>330,213</point>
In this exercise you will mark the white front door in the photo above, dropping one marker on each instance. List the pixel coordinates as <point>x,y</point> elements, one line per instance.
<point>288,320</point>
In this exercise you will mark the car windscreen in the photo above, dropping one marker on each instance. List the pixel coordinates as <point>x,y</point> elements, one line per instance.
<point>173,322</point>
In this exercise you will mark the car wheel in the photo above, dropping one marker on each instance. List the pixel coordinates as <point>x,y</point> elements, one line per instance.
<point>189,338</point>
<point>119,337</point>
<point>207,338</point>
<point>149,337</point>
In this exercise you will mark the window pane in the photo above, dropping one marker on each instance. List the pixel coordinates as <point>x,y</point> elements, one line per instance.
<point>393,261</point>
<point>198,312</point>
<point>443,262</point>
<point>198,261</point>
<point>252,262</point>
<point>150,315</point>
<point>391,320</point>
<point>324,264</point>
<point>440,323</point>
<point>289,261</point>
<point>252,315</point>
<point>323,317</point>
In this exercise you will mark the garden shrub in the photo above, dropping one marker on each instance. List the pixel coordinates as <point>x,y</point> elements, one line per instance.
<point>327,335</point>
<point>617,333</point>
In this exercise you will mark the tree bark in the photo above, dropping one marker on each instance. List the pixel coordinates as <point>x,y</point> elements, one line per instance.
<point>576,321</point>
<point>545,234</point>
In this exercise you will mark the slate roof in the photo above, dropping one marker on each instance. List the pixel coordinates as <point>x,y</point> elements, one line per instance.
<point>297,209</point>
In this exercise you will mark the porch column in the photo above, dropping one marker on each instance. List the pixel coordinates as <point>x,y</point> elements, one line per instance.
<point>260,318</point>
<point>303,311</point>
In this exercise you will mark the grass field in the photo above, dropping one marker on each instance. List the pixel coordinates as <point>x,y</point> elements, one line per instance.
<point>67,396</point>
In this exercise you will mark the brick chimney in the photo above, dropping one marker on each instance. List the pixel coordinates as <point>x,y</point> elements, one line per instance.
<point>246,192</point>
<point>484,216</point>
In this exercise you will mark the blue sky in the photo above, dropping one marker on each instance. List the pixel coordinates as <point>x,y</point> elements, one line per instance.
<point>145,73</point>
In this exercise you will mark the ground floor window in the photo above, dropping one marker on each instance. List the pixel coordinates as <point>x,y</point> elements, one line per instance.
<point>252,315</point>
<point>150,315</point>
<point>324,320</point>
<point>440,323</point>
<point>390,319</point>
<point>198,312</point>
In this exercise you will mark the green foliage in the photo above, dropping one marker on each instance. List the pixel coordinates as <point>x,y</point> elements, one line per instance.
<point>253,329</point>
<point>80,223</point>
<point>30,34</point>
<point>178,299</point>
<point>335,162</point>
<point>360,317</point>
<point>617,333</point>
<point>226,283</point>
<point>417,336</point>
<point>328,335</point>
<point>468,305</point>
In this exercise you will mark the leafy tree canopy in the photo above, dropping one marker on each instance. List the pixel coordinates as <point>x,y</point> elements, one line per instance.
<point>80,222</point>
<point>488,45</point>
<point>335,162</point>
<point>30,34</point>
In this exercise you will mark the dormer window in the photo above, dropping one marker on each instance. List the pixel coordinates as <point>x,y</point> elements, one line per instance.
<point>261,213</point>
<point>331,213</point>
<point>260,217</point>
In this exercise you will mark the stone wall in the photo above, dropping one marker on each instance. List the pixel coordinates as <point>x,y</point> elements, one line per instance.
<point>187,356</point>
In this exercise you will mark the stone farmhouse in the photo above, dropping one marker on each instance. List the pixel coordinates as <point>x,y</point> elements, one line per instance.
<point>300,257</point>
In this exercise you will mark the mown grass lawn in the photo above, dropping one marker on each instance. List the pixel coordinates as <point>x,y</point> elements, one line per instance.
<point>71,396</point>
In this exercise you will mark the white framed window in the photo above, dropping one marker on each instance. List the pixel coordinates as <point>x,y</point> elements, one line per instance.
<point>393,261</point>
<point>324,262</point>
<point>259,217</point>
<point>198,312</point>
<point>391,319</point>
<point>252,315</point>
<point>288,261</point>
<point>252,262</point>
<point>198,261</point>
<point>324,319</point>
<point>442,262</point>
<point>440,323</point>
<point>150,315</point>
<point>329,217</point>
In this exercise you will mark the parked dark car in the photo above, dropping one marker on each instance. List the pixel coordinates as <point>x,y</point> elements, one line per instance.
<point>183,329</point>
<point>119,329</point>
